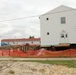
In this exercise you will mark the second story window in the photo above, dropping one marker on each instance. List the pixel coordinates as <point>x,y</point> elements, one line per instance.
<point>47,18</point>
<point>63,20</point>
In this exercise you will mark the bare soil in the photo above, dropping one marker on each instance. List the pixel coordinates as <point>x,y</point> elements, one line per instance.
<point>33,68</point>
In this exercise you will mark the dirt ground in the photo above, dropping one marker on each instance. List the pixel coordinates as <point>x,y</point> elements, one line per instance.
<point>33,68</point>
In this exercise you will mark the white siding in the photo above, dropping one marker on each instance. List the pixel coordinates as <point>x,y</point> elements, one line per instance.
<point>23,42</point>
<point>54,27</point>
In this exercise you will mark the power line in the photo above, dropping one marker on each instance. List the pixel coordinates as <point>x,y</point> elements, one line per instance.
<point>35,16</point>
<point>19,18</point>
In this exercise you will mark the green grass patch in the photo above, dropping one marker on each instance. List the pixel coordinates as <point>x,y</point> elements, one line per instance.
<point>68,63</point>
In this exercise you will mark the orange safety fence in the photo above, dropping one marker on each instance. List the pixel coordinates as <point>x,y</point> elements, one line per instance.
<point>14,53</point>
<point>39,53</point>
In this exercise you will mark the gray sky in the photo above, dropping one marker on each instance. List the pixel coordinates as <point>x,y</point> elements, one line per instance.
<point>23,28</point>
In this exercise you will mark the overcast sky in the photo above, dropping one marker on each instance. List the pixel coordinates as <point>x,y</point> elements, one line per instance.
<point>23,28</point>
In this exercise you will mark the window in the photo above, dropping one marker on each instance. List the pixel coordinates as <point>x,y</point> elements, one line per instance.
<point>31,42</point>
<point>47,18</point>
<point>8,42</point>
<point>66,35</point>
<point>47,33</point>
<point>13,42</point>
<point>63,20</point>
<point>62,35</point>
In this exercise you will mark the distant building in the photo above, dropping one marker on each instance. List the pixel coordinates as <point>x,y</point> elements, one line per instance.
<point>22,41</point>
<point>58,26</point>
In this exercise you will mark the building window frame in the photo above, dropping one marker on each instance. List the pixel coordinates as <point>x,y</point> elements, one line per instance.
<point>66,35</point>
<point>63,20</point>
<point>62,36</point>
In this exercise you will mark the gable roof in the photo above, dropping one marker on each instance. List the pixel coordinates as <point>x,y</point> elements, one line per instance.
<point>61,8</point>
<point>22,39</point>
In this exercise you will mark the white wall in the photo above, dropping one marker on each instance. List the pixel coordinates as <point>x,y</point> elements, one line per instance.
<point>54,27</point>
<point>23,42</point>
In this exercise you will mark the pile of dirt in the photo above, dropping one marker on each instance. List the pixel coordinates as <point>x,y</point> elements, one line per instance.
<point>30,68</point>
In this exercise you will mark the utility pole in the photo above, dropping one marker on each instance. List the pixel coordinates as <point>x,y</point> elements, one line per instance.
<point>15,40</point>
<point>0,40</point>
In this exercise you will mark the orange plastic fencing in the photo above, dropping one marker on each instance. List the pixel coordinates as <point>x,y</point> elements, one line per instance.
<point>39,53</point>
<point>46,53</point>
<point>13,53</point>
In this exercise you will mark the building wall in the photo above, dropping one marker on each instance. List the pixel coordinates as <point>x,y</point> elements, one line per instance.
<point>21,42</point>
<point>30,42</point>
<point>54,27</point>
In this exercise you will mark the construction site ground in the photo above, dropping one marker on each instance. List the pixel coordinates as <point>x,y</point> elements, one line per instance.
<point>34,68</point>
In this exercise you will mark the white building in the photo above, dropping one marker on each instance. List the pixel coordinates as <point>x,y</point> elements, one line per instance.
<point>22,41</point>
<point>58,26</point>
